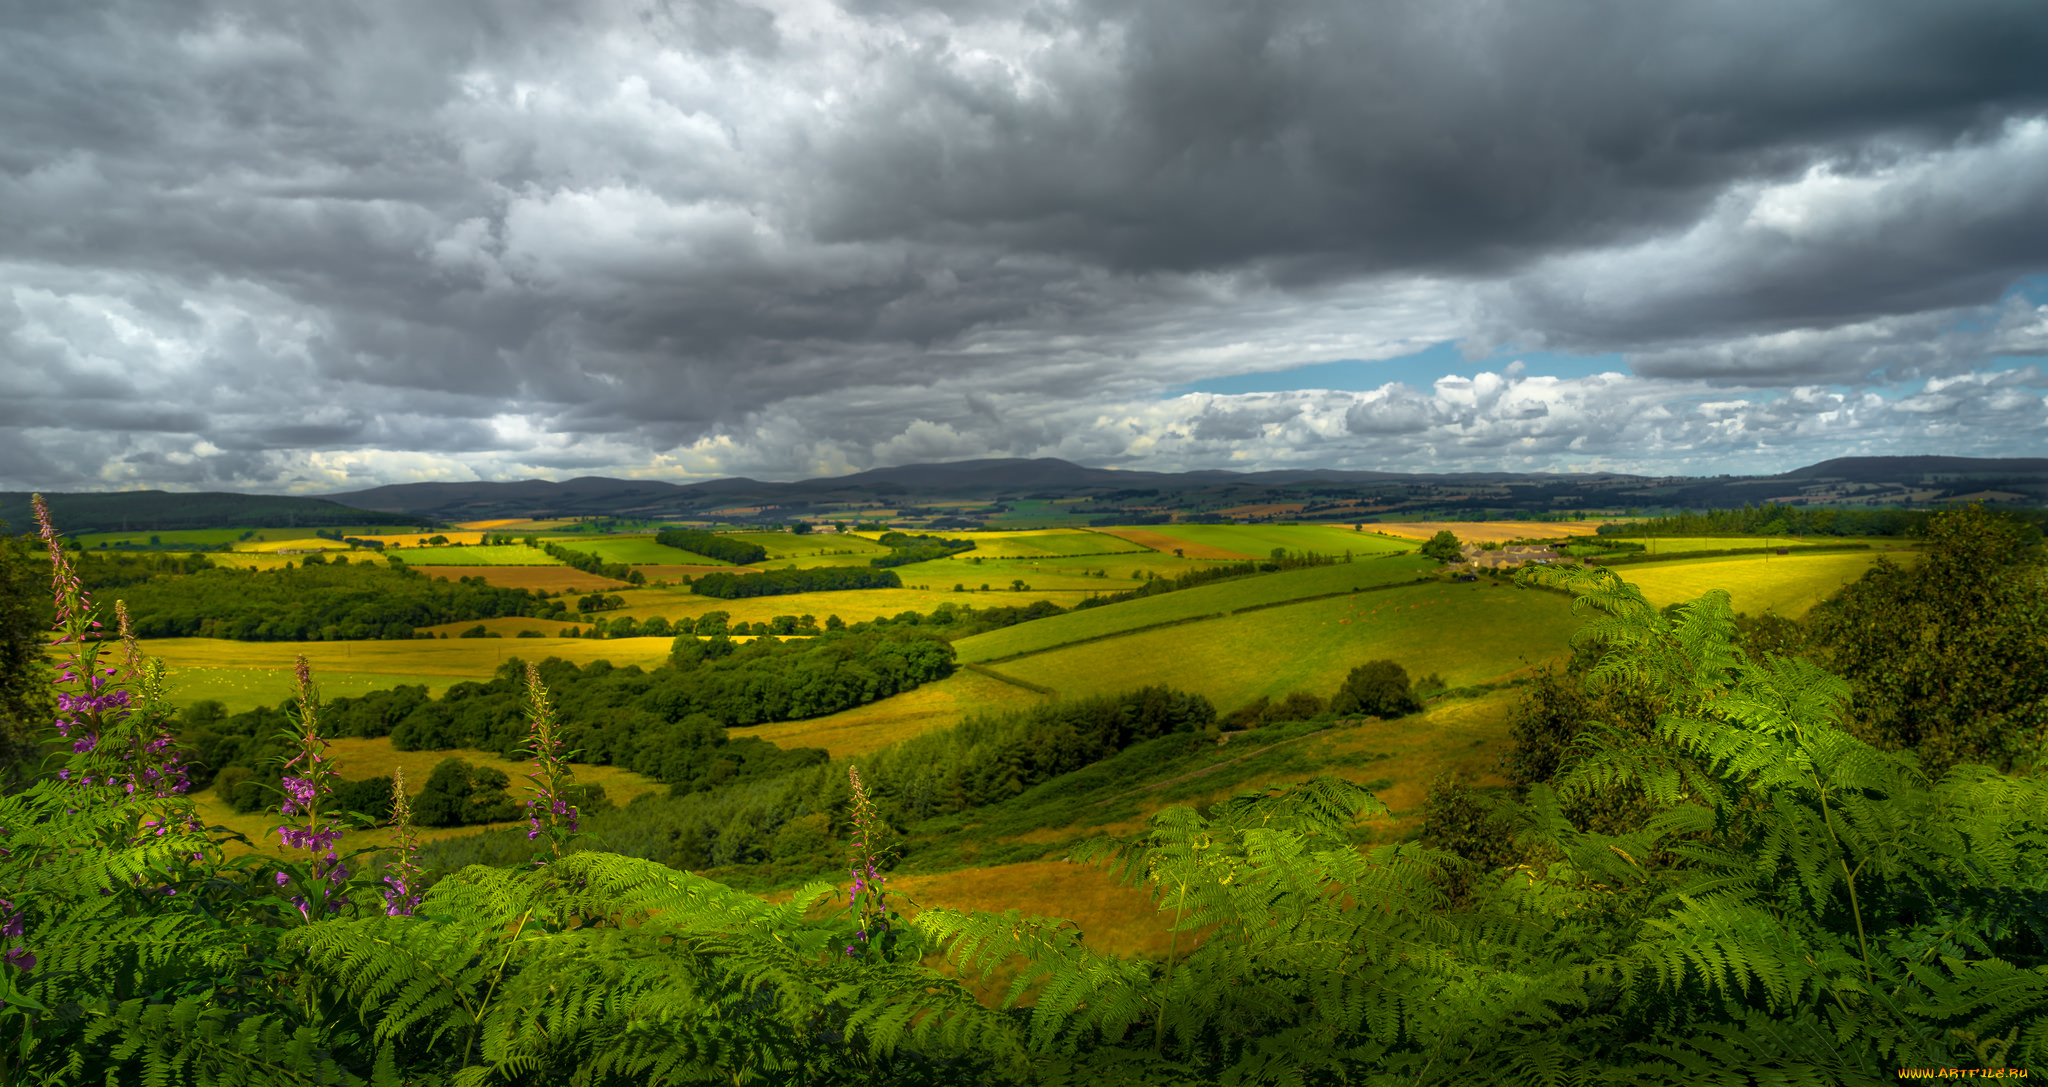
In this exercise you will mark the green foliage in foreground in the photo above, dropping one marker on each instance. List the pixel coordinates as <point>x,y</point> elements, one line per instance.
<point>1798,906</point>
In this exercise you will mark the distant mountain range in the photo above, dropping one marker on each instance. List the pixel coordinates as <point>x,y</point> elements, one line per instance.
<point>1851,480</point>
<point>1328,494</point>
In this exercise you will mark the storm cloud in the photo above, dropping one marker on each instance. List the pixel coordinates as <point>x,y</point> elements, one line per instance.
<point>323,247</point>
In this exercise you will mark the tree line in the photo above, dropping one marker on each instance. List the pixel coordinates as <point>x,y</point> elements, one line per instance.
<point>667,723</point>
<point>819,579</point>
<point>711,545</point>
<point>319,599</point>
<point>593,564</point>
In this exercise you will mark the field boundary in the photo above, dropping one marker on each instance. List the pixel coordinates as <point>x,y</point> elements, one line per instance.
<point>1092,638</point>
<point>1158,785</point>
<point>1795,549</point>
<point>1035,688</point>
<point>1165,623</point>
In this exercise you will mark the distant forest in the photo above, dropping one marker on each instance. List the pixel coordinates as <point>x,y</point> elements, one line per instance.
<point>153,511</point>
<point>319,600</point>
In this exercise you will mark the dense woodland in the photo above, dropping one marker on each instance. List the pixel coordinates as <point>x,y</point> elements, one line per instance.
<point>820,579</point>
<point>1736,850</point>
<point>711,545</point>
<point>321,599</point>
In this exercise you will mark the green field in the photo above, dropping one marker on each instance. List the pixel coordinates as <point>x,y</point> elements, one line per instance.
<point>782,545</point>
<point>1047,545</point>
<point>474,555</point>
<point>241,689</point>
<point>1468,633</point>
<point>248,674</point>
<point>635,551</point>
<point>1055,575</point>
<point>1220,598</point>
<point>1260,540</point>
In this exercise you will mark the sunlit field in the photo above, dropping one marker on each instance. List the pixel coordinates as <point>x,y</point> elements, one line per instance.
<point>931,707</point>
<point>1468,633</point>
<point>412,661</point>
<point>475,555</point>
<point>552,579</point>
<point>1787,585</point>
<point>1203,600</point>
<point>1486,531</point>
<point>1045,543</point>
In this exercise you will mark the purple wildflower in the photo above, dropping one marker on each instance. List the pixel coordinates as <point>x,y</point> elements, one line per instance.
<point>400,900</point>
<point>549,812</point>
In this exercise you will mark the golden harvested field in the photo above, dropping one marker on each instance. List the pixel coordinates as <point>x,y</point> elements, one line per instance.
<point>1789,585</point>
<point>932,706</point>
<point>554,579</point>
<point>355,759</point>
<point>488,526</point>
<point>1489,531</point>
<point>1168,544</point>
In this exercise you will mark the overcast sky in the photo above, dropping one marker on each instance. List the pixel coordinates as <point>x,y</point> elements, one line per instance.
<point>322,246</point>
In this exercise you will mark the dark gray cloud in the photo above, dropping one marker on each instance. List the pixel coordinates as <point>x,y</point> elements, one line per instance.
<point>330,246</point>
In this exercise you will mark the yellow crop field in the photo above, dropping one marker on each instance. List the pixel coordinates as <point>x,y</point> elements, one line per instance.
<point>355,759</point>
<point>858,731</point>
<point>417,660</point>
<point>1488,531</point>
<point>1788,585</point>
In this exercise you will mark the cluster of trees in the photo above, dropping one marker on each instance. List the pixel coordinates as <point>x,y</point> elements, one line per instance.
<point>668,723</point>
<point>319,600</point>
<point>594,564</point>
<point>905,549</point>
<point>818,579</point>
<point>793,814</point>
<point>712,546</point>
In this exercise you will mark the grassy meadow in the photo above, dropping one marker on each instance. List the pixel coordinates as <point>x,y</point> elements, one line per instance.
<point>1468,633</point>
<point>475,555</point>
<point>260,673</point>
<point>1258,541</point>
<point>1221,598</point>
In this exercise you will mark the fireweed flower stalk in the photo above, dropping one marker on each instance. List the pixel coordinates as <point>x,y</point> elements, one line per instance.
<point>867,899</point>
<point>153,767</point>
<point>93,703</point>
<point>400,899</point>
<point>325,888</point>
<point>549,812</point>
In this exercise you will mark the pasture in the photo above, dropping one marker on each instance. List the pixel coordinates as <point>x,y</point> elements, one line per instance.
<point>1202,600</point>
<point>788,545</point>
<point>1468,633</point>
<point>268,665</point>
<point>931,707</point>
<point>636,551</point>
<point>1258,541</point>
<point>850,605</point>
<point>1047,544</point>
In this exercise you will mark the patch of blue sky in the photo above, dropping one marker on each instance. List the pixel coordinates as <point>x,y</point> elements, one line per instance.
<point>1419,370</point>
